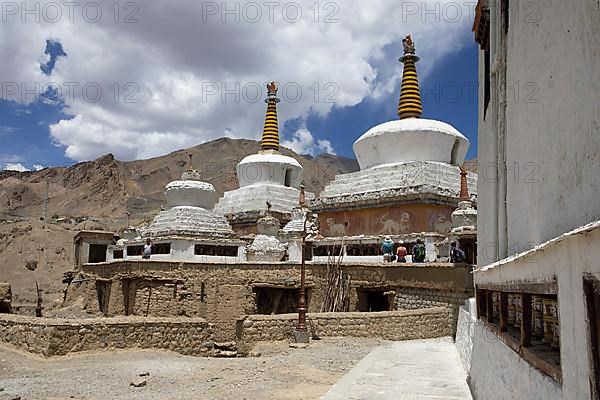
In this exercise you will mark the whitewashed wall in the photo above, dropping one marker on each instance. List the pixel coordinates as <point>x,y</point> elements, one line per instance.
<point>552,124</point>
<point>567,258</point>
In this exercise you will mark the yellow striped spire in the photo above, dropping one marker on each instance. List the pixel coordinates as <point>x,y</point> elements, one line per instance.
<point>270,138</point>
<point>410,97</point>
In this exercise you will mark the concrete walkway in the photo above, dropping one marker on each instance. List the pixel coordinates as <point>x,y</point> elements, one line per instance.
<point>409,370</point>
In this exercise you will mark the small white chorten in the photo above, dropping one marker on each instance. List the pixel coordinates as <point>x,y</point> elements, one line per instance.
<point>266,246</point>
<point>188,230</point>
<point>464,218</point>
<point>188,213</point>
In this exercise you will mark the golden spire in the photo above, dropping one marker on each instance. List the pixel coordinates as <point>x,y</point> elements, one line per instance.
<point>410,98</point>
<point>270,138</point>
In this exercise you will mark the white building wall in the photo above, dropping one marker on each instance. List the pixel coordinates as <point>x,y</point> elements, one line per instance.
<point>556,66</point>
<point>552,124</point>
<point>465,332</point>
<point>552,182</point>
<point>502,375</point>
<point>487,209</point>
<point>567,260</point>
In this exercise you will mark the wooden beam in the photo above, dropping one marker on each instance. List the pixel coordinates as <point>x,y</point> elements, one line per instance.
<point>526,320</point>
<point>523,287</point>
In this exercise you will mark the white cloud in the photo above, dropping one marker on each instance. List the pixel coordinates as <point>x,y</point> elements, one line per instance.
<point>303,142</point>
<point>15,167</point>
<point>325,146</point>
<point>178,68</point>
<point>38,167</point>
<point>7,130</point>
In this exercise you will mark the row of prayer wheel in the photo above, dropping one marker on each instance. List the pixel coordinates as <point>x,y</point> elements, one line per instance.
<point>544,316</point>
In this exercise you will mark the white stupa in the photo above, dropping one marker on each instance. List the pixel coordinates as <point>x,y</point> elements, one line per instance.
<point>267,176</point>
<point>189,211</point>
<point>188,229</point>
<point>464,218</point>
<point>405,158</point>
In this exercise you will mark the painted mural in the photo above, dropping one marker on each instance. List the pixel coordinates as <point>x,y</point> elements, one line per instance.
<point>387,220</point>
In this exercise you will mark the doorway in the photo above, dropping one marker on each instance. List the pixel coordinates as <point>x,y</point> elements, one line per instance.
<point>103,291</point>
<point>373,300</point>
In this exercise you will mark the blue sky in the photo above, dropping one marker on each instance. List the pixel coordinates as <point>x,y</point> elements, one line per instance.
<point>449,94</point>
<point>169,77</point>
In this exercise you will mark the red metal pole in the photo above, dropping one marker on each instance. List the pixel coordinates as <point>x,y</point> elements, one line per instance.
<point>302,302</point>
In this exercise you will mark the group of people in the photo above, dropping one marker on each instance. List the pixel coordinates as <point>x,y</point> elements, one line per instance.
<point>418,252</point>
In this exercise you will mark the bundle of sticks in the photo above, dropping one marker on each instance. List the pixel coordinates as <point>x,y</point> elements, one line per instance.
<point>337,290</point>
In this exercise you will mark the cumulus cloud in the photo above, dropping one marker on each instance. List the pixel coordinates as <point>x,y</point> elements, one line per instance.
<point>183,74</point>
<point>303,142</point>
<point>15,167</point>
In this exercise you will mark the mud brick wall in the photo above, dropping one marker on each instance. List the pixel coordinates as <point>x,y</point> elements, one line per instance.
<point>224,293</point>
<point>52,337</point>
<point>391,325</point>
<point>219,293</point>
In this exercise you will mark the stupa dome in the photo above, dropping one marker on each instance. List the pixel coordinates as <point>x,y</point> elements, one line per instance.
<point>190,193</point>
<point>269,167</point>
<point>189,214</point>
<point>411,139</point>
<point>189,221</point>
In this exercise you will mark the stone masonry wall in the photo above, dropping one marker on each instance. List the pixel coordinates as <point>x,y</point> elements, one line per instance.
<point>391,325</point>
<point>52,337</point>
<point>222,293</point>
<point>413,298</point>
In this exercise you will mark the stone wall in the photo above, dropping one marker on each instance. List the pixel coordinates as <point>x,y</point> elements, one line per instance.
<point>53,337</point>
<point>391,325</point>
<point>223,293</point>
<point>415,298</point>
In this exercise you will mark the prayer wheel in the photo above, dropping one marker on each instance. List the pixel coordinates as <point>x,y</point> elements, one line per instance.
<point>537,316</point>
<point>555,325</point>
<point>518,310</point>
<point>496,305</point>
<point>548,321</point>
<point>511,309</point>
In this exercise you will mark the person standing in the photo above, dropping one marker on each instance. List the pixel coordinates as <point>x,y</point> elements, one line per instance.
<point>401,253</point>
<point>457,255</point>
<point>387,248</point>
<point>147,251</point>
<point>418,252</point>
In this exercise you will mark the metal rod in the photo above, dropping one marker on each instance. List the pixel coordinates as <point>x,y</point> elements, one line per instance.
<point>302,302</point>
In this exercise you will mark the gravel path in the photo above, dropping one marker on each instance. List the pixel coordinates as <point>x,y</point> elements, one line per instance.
<point>279,373</point>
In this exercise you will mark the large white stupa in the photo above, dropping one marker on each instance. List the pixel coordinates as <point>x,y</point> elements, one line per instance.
<point>403,159</point>
<point>268,176</point>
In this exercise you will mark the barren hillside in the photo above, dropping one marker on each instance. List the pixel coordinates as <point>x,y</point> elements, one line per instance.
<point>105,189</point>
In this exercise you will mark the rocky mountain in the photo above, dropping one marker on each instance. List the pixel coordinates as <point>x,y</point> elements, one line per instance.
<point>107,188</point>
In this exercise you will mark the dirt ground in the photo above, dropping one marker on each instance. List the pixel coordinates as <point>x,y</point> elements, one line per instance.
<point>280,372</point>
